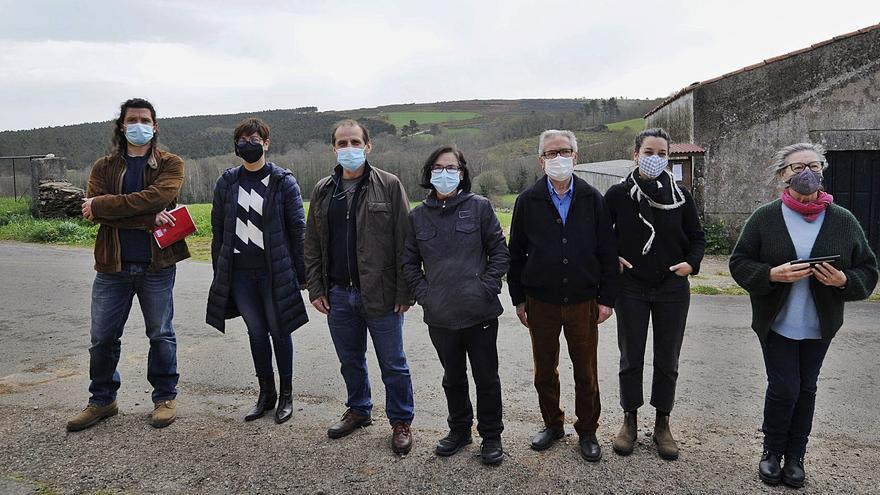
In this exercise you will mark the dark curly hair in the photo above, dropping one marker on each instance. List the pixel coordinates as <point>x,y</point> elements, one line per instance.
<point>118,144</point>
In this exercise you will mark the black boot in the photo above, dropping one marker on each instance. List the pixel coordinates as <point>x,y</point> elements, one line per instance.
<point>793,472</point>
<point>769,470</point>
<point>266,400</point>
<point>285,400</point>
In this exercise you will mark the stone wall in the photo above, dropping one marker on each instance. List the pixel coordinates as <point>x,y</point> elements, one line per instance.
<point>829,93</point>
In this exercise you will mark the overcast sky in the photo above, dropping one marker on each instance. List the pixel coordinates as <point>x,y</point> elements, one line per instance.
<point>64,62</point>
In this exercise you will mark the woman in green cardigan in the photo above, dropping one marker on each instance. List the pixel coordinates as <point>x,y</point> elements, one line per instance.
<point>798,307</point>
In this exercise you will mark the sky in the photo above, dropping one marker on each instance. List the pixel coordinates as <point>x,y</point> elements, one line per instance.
<point>69,61</point>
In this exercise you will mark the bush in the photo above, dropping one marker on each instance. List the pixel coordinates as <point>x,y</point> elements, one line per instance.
<point>490,183</point>
<point>717,241</point>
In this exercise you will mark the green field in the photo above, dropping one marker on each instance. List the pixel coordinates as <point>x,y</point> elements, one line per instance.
<point>461,131</point>
<point>399,119</point>
<point>16,224</point>
<point>634,124</point>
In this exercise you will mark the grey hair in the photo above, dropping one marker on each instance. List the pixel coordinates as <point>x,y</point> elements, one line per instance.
<point>553,133</point>
<point>780,156</point>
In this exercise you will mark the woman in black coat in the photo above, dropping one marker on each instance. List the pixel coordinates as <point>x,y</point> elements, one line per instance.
<point>454,259</point>
<point>258,226</point>
<point>660,242</point>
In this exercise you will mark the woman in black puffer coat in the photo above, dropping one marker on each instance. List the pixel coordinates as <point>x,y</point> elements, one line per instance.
<point>258,227</point>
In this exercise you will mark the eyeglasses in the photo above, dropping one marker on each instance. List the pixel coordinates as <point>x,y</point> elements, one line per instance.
<point>252,140</point>
<point>799,167</point>
<point>564,153</point>
<point>437,168</point>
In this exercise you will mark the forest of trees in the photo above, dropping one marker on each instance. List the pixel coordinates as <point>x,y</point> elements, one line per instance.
<point>299,141</point>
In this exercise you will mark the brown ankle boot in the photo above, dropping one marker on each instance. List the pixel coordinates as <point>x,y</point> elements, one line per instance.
<point>666,445</point>
<point>625,441</point>
<point>91,415</point>
<point>164,413</point>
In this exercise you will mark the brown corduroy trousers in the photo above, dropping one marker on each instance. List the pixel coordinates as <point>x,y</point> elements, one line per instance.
<point>579,323</point>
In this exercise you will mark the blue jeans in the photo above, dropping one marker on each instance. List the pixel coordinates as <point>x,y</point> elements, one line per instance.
<point>792,372</point>
<point>348,328</point>
<point>253,298</point>
<point>112,295</point>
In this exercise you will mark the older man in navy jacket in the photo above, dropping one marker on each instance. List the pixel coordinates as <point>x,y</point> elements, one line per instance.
<point>563,277</point>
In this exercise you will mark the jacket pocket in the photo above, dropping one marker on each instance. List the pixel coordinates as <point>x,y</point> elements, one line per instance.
<point>466,227</point>
<point>426,234</point>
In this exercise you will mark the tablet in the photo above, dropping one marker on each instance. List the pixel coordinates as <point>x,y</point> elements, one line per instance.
<point>818,259</point>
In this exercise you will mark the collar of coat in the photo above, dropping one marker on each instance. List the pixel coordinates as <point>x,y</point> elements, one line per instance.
<point>540,190</point>
<point>431,201</point>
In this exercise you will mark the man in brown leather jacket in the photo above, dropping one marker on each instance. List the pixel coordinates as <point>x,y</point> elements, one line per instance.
<point>129,192</point>
<point>354,245</point>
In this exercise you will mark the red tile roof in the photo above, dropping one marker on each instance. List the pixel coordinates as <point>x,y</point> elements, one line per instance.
<point>768,61</point>
<point>684,149</point>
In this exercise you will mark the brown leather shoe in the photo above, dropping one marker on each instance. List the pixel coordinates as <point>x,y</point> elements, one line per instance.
<point>91,415</point>
<point>350,421</point>
<point>401,438</point>
<point>164,413</point>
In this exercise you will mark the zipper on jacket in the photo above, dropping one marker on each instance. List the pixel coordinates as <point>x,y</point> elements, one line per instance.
<point>116,231</point>
<point>347,243</point>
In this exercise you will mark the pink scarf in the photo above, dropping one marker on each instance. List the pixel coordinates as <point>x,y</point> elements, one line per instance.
<point>810,211</point>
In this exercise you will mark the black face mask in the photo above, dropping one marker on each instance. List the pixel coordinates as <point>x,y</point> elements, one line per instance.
<point>250,152</point>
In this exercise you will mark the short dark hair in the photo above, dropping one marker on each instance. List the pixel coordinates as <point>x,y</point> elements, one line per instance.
<point>249,126</point>
<point>349,123</point>
<point>465,184</point>
<point>118,144</point>
<point>656,132</point>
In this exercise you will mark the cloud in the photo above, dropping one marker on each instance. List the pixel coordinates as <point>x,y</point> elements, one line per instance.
<point>68,62</point>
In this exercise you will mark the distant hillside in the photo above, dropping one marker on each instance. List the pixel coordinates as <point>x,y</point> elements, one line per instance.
<point>194,137</point>
<point>211,135</point>
<point>498,137</point>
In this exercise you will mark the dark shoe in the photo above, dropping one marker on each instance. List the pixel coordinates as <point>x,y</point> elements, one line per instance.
<point>769,470</point>
<point>350,421</point>
<point>666,445</point>
<point>266,399</point>
<point>284,411</point>
<point>793,472</point>
<point>491,453</point>
<point>91,415</point>
<point>453,442</point>
<point>546,438</point>
<point>401,438</point>
<point>590,449</point>
<point>625,441</point>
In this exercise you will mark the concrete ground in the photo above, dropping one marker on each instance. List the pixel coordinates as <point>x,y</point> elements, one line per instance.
<point>44,325</point>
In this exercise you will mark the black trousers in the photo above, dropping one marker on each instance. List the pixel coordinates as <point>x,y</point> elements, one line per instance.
<point>667,308</point>
<point>476,343</point>
<point>792,374</point>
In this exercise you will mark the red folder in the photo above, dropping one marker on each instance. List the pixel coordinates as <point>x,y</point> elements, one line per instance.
<point>167,235</point>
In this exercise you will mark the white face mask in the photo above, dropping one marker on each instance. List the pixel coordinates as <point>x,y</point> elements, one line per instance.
<point>559,168</point>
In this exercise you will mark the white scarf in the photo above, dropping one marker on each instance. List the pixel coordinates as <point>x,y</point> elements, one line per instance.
<point>637,194</point>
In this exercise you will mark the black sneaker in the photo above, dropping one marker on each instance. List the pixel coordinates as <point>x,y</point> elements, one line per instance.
<point>453,442</point>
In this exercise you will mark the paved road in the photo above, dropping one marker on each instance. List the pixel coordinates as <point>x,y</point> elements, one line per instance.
<point>44,301</point>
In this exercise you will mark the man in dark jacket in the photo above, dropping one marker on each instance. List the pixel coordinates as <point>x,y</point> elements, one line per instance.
<point>563,275</point>
<point>129,191</point>
<point>355,235</point>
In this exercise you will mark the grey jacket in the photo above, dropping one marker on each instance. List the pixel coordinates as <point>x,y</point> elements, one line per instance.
<point>454,259</point>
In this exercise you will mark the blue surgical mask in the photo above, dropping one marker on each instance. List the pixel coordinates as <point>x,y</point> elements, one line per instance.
<point>652,165</point>
<point>445,181</point>
<point>138,134</point>
<point>351,158</point>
